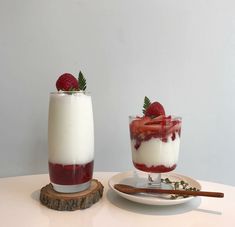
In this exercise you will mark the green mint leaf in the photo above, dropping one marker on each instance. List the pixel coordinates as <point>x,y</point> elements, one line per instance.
<point>81,82</point>
<point>147,103</point>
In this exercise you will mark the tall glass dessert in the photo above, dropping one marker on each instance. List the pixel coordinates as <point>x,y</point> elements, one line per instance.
<point>70,136</point>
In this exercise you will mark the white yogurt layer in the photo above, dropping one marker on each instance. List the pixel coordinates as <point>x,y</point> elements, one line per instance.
<point>154,152</point>
<point>70,129</point>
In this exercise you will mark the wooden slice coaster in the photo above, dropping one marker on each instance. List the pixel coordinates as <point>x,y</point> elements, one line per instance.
<point>71,201</point>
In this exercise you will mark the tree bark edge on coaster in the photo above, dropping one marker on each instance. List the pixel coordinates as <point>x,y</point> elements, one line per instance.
<point>71,201</point>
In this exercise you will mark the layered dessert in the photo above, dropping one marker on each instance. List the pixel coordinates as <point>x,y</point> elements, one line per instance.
<point>155,139</point>
<point>70,138</point>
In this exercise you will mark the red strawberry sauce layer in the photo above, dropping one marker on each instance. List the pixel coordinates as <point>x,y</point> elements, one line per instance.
<point>70,174</point>
<point>161,127</point>
<point>154,169</point>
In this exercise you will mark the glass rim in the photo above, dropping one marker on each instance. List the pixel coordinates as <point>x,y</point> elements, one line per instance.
<point>175,117</point>
<point>70,92</point>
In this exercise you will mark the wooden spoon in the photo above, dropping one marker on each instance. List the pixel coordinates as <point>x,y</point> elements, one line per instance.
<point>133,190</point>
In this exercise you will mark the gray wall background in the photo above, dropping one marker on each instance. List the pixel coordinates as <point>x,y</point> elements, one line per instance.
<point>180,53</point>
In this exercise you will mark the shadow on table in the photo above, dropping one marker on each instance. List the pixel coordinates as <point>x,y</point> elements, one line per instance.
<point>35,195</point>
<point>125,204</point>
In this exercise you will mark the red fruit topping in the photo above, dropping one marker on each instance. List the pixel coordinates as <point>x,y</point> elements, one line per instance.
<point>137,125</point>
<point>67,82</point>
<point>162,127</point>
<point>155,109</point>
<point>160,120</point>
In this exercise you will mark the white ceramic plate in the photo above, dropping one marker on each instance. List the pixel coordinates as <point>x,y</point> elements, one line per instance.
<point>131,177</point>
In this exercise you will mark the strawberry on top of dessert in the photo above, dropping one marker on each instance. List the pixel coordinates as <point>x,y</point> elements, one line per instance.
<point>154,123</point>
<point>68,82</point>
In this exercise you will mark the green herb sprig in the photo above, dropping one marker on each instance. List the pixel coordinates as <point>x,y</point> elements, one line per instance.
<point>147,103</point>
<point>81,82</point>
<point>179,185</point>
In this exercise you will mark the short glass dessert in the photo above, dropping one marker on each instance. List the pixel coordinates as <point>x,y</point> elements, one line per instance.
<point>155,145</point>
<point>70,141</point>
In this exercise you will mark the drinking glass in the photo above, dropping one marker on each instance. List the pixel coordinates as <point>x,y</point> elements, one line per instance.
<point>70,141</point>
<point>155,145</point>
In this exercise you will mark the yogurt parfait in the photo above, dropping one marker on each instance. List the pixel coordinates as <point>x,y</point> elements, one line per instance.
<point>155,139</point>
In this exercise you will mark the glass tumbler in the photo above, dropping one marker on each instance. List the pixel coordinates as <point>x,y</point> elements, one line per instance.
<point>70,141</point>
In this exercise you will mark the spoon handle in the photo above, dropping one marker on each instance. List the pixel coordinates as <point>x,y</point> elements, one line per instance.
<point>182,192</point>
<point>133,190</point>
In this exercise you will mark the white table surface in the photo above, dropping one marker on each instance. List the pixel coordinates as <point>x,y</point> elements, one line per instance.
<point>20,206</point>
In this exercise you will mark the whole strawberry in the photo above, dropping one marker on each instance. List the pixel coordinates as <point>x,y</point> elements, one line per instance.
<point>67,82</point>
<point>154,109</point>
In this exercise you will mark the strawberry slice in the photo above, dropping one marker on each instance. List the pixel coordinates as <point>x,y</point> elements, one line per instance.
<point>155,109</point>
<point>174,127</point>
<point>151,129</point>
<point>160,120</point>
<point>67,82</point>
<point>136,124</point>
